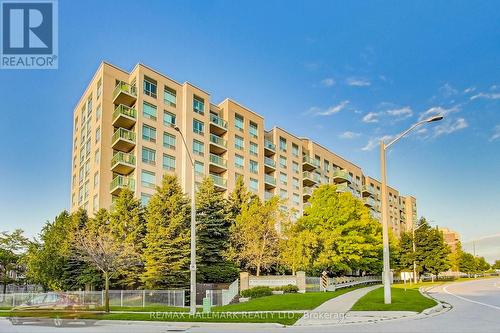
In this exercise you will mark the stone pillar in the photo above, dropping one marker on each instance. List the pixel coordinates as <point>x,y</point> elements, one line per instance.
<point>301,281</point>
<point>244,281</point>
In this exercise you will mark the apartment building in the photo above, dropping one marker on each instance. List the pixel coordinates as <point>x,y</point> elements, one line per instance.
<point>451,237</point>
<point>129,129</point>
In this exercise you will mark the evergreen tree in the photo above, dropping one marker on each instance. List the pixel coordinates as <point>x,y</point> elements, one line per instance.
<point>468,264</point>
<point>432,253</point>
<point>239,197</point>
<point>213,222</point>
<point>407,256</point>
<point>166,253</point>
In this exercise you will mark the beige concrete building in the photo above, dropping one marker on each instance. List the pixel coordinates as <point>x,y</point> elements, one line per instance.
<point>451,237</point>
<point>124,136</point>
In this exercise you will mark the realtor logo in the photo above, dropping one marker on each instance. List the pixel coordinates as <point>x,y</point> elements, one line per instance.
<point>29,35</point>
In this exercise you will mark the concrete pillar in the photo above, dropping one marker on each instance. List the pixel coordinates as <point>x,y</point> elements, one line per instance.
<point>244,280</point>
<point>301,281</point>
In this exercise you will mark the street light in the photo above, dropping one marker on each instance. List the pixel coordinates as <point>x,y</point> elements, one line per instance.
<point>385,233</point>
<point>192,266</point>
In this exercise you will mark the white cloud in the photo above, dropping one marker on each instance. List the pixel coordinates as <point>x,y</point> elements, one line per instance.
<point>450,127</point>
<point>496,133</point>
<point>327,82</point>
<point>401,112</point>
<point>370,117</point>
<point>435,110</point>
<point>374,142</point>
<point>349,135</point>
<point>486,96</point>
<point>469,90</point>
<point>358,82</point>
<point>331,110</point>
<point>447,90</point>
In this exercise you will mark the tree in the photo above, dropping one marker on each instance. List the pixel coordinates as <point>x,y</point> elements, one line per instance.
<point>455,257</point>
<point>298,247</point>
<point>239,197</point>
<point>468,263</point>
<point>496,265</point>
<point>12,247</point>
<point>167,241</point>
<point>213,222</point>
<point>126,222</point>
<point>432,253</point>
<point>254,235</point>
<point>482,265</point>
<point>336,233</point>
<point>99,248</point>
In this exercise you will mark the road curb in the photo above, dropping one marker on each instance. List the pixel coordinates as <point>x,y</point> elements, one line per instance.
<point>439,307</point>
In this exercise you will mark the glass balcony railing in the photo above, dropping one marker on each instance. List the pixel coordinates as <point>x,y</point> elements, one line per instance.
<point>218,140</point>
<point>121,157</point>
<point>311,176</point>
<point>268,195</point>
<point>218,160</point>
<point>120,182</point>
<point>270,179</point>
<point>306,159</point>
<point>370,202</point>
<point>342,176</point>
<point>218,180</point>
<point>123,110</point>
<point>214,119</point>
<point>124,87</point>
<point>269,162</point>
<point>124,134</point>
<point>269,145</point>
<point>307,190</point>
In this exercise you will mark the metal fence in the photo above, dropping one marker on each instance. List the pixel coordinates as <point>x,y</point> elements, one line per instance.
<point>119,298</point>
<point>313,283</point>
<point>223,296</point>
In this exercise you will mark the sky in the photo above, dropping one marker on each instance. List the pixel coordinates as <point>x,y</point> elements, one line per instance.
<point>345,74</point>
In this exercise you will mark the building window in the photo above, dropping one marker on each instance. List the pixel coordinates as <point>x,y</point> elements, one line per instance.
<point>295,183</point>
<point>239,161</point>
<point>169,96</point>
<point>198,127</point>
<point>168,119</point>
<point>253,129</point>
<point>96,179</point>
<point>295,150</point>
<point>148,179</point>
<point>168,162</point>
<point>238,142</point>
<point>99,88</point>
<point>150,87</point>
<point>283,161</point>
<point>296,199</point>
<point>283,194</point>
<point>254,166</point>
<point>98,112</point>
<point>168,140</point>
<point>254,148</point>
<point>198,148</point>
<point>97,156</point>
<point>145,198</point>
<point>199,168</point>
<point>238,122</point>
<point>198,104</point>
<point>149,133</point>
<point>149,111</point>
<point>254,185</point>
<point>295,167</point>
<point>282,144</point>
<point>326,166</point>
<point>148,156</point>
<point>283,178</point>
<point>317,160</point>
<point>97,134</point>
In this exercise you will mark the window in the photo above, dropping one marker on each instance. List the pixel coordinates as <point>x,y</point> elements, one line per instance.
<point>148,156</point>
<point>253,129</point>
<point>168,118</point>
<point>168,140</point>
<point>98,112</point>
<point>238,122</point>
<point>296,199</point>
<point>150,87</point>
<point>317,160</point>
<point>254,166</point>
<point>198,127</point>
<point>295,150</point>
<point>283,178</point>
<point>198,147</point>
<point>145,198</point>
<point>254,184</point>
<point>168,162</point>
<point>149,133</point>
<point>326,166</point>
<point>169,96</point>
<point>295,167</point>
<point>96,157</point>
<point>282,144</point>
<point>283,194</point>
<point>97,134</point>
<point>149,111</point>
<point>238,142</point>
<point>96,179</point>
<point>199,168</point>
<point>99,88</point>
<point>198,105</point>
<point>239,162</point>
<point>254,148</point>
<point>282,161</point>
<point>295,183</point>
<point>95,204</point>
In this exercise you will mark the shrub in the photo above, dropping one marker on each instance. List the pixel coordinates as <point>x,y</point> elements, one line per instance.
<point>255,292</point>
<point>289,288</point>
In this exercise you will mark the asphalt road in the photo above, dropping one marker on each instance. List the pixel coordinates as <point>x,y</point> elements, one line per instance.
<point>476,308</point>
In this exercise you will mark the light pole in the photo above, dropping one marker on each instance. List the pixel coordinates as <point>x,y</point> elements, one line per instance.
<point>385,206</point>
<point>192,266</point>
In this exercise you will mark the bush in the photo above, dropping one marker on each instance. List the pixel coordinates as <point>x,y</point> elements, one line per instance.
<point>255,292</point>
<point>289,288</point>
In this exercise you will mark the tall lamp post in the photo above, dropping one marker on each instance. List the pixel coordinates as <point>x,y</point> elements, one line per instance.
<point>192,266</point>
<point>385,205</point>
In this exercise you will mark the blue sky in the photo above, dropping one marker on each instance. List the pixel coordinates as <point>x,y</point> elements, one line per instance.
<point>343,73</point>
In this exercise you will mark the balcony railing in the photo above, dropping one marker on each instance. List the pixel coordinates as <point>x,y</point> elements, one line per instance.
<point>308,161</point>
<point>214,119</point>
<point>121,157</point>
<point>369,201</point>
<point>268,179</point>
<point>218,180</point>
<point>124,93</point>
<point>218,140</point>
<point>311,176</point>
<point>367,190</point>
<point>123,134</point>
<point>120,182</point>
<point>340,176</point>
<point>124,116</point>
<point>307,191</point>
<point>218,160</point>
<point>269,162</point>
<point>269,145</point>
<point>268,195</point>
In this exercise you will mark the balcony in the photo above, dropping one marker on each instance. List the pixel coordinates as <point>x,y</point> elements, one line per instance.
<point>123,163</point>
<point>217,144</point>
<point>125,94</point>
<point>345,188</point>
<point>219,182</point>
<point>217,164</point>
<point>308,164</point>
<point>341,176</point>
<point>121,182</point>
<point>269,148</point>
<point>217,124</point>
<point>268,195</point>
<point>124,116</point>
<point>367,191</point>
<point>123,140</point>
<point>269,181</point>
<point>269,164</point>
<point>307,192</point>
<point>310,178</point>
<point>370,202</point>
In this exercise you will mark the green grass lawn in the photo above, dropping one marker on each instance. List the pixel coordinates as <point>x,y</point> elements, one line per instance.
<point>409,300</point>
<point>156,308</point>
<point>295,301</point>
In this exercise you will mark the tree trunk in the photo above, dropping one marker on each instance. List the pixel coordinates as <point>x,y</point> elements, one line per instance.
<point>106,292</point>
<point>258,269</point>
